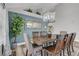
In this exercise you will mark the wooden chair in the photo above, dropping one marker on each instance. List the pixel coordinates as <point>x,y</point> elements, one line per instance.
<point>72,40</point>
<point>54,36</point>
<point>67,43</point>
<point>51,43</point>
<point>29,49</point>
<point>63,32</point>
<point>32,49</point>
<point>57,49</point>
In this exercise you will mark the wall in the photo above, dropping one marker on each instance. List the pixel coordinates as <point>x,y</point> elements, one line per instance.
<point>4,37</point>
<point>28,30</point>
<point>1,24</point>
<point>1,29</point>
<point>67,18</point>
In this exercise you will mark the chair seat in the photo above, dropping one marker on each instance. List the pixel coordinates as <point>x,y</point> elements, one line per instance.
<point>52,50</point>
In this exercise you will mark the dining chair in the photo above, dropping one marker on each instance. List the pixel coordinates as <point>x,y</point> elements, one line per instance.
<point>63,32</point>
<point>43,34</point>
<point>67,43</point>
<point>50,50</point>
<point>72,40</point>
<point>63,37</point>
<point>54,36</point>
<point>51,42</point>
<point>29,49</point>
<point>32,49</point>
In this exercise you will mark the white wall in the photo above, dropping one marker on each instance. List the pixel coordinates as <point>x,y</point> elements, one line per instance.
<point>4,36</point>
<point>1,24</point>
<point>67,19</point>
<point>0,29</point>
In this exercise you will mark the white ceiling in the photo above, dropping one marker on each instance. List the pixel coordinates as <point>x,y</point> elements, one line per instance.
<point>41,7</point>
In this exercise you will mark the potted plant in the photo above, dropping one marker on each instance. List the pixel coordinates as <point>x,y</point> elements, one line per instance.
<point>38,13</point>
<point>17,24</point>
<point>29,10</point>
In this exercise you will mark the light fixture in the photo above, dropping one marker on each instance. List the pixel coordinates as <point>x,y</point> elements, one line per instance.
<point>49,17</point>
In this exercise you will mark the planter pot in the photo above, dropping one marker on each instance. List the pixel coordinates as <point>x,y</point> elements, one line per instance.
<point>14,43</point>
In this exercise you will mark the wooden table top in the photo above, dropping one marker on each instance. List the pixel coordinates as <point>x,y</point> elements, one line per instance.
<point>41,41</point>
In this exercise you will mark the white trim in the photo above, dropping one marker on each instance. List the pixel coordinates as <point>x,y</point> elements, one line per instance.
<point>26,13</point>
<point>22,43</point>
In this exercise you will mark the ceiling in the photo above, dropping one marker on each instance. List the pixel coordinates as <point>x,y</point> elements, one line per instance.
<point>40,7</point>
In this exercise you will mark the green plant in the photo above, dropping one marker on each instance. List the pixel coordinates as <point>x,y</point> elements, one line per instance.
<point>17,24</point>
<point>38,13</point>
<point>29,10</point>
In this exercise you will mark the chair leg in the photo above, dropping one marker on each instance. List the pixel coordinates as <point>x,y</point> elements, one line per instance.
<point>63,52</point>
<point>26,52</point>
<point>47,54</point>
<point>41,53</point>
<point>44,53</point>
<point>72,48</point>
<point>67,51</point>
<point>60,53</point>
<point>46,44</point>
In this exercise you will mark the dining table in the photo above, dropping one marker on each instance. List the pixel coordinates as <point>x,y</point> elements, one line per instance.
<point>43,40</point>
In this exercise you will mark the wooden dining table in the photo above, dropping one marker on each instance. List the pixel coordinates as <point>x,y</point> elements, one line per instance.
<point>42,40</point>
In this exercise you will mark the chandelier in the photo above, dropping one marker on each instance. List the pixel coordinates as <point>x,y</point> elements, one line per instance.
<point>49,17</point>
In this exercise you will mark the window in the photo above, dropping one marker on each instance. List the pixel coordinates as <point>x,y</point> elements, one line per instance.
<point>32,24</point>
<point>29,24</point>
<point>36,25</point>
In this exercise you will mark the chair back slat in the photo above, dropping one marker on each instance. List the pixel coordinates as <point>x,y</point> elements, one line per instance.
<point>67,40</point>
<point>74,35</point>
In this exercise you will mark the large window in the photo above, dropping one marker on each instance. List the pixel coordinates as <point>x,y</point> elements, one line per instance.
<point>32,24</point>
